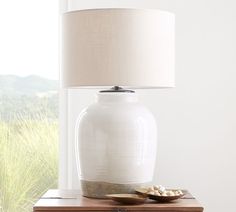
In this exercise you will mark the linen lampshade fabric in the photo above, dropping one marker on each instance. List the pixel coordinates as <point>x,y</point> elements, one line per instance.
<point>124,47</point>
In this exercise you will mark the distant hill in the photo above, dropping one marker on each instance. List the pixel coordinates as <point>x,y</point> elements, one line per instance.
<point>12,85</point>
<point>28,97</point>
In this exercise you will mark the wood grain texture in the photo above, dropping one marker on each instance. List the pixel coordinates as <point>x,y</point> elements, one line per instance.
<point>52,201</point>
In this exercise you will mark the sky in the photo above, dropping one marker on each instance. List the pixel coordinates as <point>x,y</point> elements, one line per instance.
<point>29,42</point>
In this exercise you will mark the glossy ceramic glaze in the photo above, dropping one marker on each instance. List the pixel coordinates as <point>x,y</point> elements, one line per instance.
<point>116,140</point>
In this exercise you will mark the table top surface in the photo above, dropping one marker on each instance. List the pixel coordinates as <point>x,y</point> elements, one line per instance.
<point>53,200</point>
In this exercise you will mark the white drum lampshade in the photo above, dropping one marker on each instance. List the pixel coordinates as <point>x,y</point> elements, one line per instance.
<point>131,48</point>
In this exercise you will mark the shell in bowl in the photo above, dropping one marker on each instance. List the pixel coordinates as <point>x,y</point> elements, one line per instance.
<point>167,196</point>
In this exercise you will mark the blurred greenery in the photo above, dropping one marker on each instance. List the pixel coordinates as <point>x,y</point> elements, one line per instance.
<point>28,161</point>
<point>28,107</point>
<point>28,140</point>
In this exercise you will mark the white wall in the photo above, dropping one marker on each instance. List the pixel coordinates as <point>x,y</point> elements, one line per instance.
<point>197,119</point>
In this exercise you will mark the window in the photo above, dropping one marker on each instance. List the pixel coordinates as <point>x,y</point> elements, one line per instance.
<point>28,102</point>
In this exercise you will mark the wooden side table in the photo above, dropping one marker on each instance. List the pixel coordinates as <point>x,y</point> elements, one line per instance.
<point>52,201</point>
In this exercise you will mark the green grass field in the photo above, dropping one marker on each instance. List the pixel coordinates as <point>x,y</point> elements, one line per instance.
<point>28,161</point>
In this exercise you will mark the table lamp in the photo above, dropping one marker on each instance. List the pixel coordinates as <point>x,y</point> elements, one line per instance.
<point>118,51</point>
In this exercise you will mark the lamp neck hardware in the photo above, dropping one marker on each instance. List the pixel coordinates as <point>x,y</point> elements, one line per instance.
<point>117,89</point>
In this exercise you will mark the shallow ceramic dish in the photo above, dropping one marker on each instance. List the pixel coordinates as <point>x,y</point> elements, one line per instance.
<point>143,191</point>
<point>127,198</point>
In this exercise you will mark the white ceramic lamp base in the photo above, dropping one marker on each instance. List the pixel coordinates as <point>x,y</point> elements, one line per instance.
<point>116,145</point>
